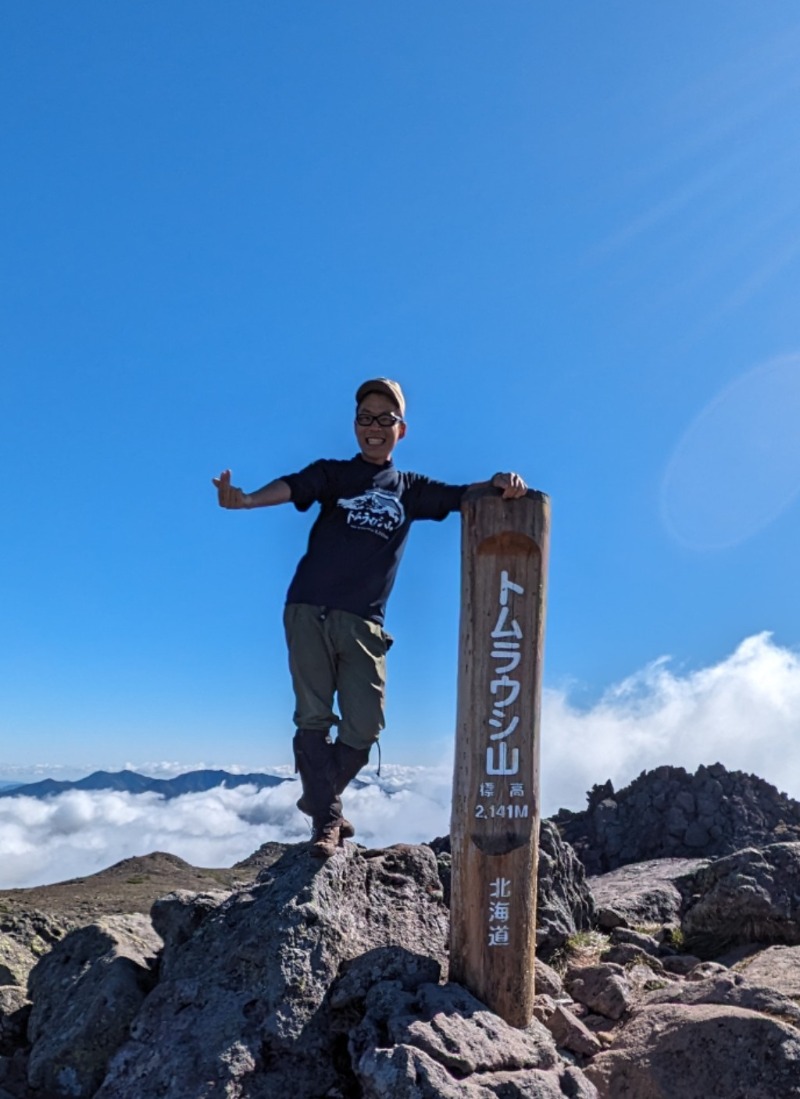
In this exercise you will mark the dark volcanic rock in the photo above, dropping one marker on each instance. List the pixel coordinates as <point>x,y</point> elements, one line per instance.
<point>85,993</point>
<point>749,896</point>
<point>246,1000</point>
<point>24,938</point>
<point>567,1030</point>
<point>442,1042</point>
<point>564,901</point>
<point>777,966</point>
<point>668,813</point>
<point>602,988</point>
<point>733,989</point>
<point>645,893</point>
<point>177,917</point>
<point>674,1051</point>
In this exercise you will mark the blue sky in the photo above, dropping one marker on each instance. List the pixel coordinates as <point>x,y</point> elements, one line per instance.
<point>571,231</point>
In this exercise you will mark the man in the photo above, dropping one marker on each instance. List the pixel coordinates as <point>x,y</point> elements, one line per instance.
<point>336,602</point>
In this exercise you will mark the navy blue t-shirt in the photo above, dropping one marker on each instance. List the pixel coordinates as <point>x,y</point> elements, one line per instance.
<point>357,540</point>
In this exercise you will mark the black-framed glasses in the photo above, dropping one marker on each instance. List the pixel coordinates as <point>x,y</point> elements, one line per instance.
<point>385,419</point>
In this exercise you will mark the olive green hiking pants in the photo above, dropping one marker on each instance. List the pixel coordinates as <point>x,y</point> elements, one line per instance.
<point>335,653</point>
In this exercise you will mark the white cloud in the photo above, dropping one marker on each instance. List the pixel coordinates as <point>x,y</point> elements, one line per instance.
<point>81,832</point>
<point>743,712</point>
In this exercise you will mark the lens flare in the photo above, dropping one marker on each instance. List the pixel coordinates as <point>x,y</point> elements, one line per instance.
<point>737,467</point>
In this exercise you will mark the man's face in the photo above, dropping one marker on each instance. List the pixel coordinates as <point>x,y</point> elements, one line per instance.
<point>377,441</point>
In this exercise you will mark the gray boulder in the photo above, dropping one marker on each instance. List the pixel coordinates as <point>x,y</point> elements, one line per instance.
<point>676,1051</point>
<point>85,993</point>
<point>246,1000</point>
<point>776,967</point>
<point>644,894</point>
<point>24,939</point>
<point>441,1043</point>
<point>16,962</point>
<point>384,963</point>
<point>177,916</point>
<point>564,901</point>
<point>630,954</point>
<point>648,944</point>
<point>604,989</point>
<point>680,965</point>
<point>567,1030</point>
<point>749,896</point>
<point>546,980</point>
<point>732,989</point>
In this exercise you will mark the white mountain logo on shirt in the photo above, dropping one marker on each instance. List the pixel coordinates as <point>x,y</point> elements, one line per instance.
<point>376,511</point>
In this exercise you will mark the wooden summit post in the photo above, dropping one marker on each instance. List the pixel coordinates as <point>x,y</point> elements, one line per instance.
<point>495,824</point>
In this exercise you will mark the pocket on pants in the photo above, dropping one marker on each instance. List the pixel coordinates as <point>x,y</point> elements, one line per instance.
<point>372,637</point>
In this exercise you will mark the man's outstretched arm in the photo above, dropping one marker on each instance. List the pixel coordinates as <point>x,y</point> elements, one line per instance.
<point>229,496</point>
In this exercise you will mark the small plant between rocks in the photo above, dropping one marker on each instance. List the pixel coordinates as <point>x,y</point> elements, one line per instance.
<point>582,948</point>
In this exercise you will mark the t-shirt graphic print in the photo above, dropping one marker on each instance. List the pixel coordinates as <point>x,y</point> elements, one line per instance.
<point>379,512</point>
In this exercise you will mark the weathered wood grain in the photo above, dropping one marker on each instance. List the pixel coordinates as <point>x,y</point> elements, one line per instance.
<point>495,822</point>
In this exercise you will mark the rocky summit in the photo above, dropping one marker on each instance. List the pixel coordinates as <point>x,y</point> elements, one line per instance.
<point>673,977</point>
<point>668,813</point>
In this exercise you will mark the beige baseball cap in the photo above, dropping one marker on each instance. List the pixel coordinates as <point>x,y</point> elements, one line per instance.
<point>382,385</point>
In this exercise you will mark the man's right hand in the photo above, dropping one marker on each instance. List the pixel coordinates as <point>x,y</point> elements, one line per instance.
<point>228,495</point>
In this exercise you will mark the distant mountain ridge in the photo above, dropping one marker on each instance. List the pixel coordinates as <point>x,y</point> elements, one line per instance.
<point>192,782</point>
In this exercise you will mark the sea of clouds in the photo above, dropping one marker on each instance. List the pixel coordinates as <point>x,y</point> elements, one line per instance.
<point>743,712</point>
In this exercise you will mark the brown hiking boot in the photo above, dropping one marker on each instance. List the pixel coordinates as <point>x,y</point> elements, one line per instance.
<point>347,830</point>
<point>327,840</point>
<point>347,762</point>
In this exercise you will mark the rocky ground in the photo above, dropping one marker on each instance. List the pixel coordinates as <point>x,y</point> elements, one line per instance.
<point>675,978</point>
